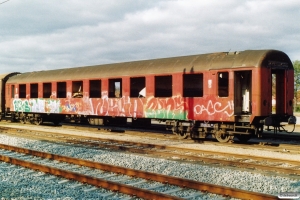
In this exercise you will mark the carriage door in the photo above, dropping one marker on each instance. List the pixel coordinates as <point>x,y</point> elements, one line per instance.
<point>278,91</point>
<point>242,92</point>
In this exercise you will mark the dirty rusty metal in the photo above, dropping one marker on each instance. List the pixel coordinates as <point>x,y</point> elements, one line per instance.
<point>125,189</point>
<point>148,149</point>
<point>221,190</point>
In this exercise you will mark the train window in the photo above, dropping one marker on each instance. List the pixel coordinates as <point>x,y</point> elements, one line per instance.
<point>163,86</point>
<point>61,89</point>
<point>136,86</point>
<point>223,84</point>
<point>34,91</point>
<point>115,88</point>
<point>22,91</point>
<point>47,90</point>
<point>77,89</point>
<point>13,91</point>
<point>95,88</point>
<point>192,85</point>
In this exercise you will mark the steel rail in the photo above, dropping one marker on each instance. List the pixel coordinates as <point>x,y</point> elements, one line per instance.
<point>186,183</point>
<point>98,182</point>
<point>158,146</point>
<point>145,145</point>
<point>205,159</point>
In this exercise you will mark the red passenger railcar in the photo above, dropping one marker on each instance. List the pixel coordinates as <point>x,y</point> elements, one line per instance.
<point>225,94</point>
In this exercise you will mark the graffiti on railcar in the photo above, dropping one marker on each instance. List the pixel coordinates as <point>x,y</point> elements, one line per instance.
<point>214,108</point>
<point>21,105</point>
<point>176,107</point>
<point>37,105</point>
<point>170,108</point>
<point>53,106</point>
<point>122,107</point>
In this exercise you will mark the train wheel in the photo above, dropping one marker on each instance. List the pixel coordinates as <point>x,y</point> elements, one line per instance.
<point>12,118</point>
<point>183,135</point>
<point>182,132</point>
<point>223,137</point>
<point>23,119</point>
<point>38,121</point>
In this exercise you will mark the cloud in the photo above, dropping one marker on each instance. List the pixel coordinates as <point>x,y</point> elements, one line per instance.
<point>40,35</point>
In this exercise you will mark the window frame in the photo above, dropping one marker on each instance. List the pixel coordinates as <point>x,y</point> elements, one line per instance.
<point>46,92</point>
<point>137,84</point>
<point>163,86</point>
<point>34,90</point>
<point>22,90</point>
<point>189,80</point>
<point>115,91</point>
<point>61,93</point>
<point>94,91</point>
<point>223,84</point>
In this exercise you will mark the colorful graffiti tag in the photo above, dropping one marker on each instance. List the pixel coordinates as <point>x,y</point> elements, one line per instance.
<point>175,107</point>
<point>170,108</point>
<point>213,108</point>
<point>37,105</point>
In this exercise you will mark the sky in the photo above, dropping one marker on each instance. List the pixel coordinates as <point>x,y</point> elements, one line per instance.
<point>42,35</point>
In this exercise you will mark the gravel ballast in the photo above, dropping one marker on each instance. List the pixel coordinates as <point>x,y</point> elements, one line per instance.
<point>246,180</point>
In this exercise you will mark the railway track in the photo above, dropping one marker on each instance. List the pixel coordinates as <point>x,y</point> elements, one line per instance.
<point>274,165</point>
<point>99,175</point>
<point>269,141</point>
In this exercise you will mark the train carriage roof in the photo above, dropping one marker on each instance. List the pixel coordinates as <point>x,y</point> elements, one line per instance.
<point>7,75</point>
<point>201,62</point>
